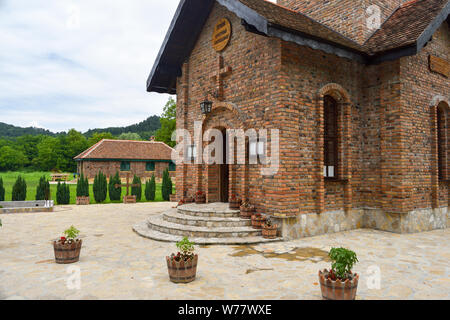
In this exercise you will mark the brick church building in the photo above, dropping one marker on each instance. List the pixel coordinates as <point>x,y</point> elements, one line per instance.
<point>143,158</point>
<point>358,89</point>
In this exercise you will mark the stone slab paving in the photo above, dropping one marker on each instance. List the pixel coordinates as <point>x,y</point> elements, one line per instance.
<point>116,263</point>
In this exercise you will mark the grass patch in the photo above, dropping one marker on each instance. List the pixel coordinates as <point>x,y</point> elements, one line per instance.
<point>32,180</point>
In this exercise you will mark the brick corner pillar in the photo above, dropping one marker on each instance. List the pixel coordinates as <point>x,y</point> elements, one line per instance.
<point>434,159</point>
<point>319,158</point>
<point>348,192</point>
<point>182,110</point>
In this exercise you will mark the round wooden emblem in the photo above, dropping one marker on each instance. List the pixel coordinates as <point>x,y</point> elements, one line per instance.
<point>221,35</point>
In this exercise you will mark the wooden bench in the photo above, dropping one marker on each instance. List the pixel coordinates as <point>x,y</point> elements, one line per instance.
<point>60,176</point>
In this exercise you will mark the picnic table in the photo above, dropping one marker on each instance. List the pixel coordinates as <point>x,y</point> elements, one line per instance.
<point>60,176</point>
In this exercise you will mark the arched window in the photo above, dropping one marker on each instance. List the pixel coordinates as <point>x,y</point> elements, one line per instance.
<point>442,141</point>
<point>330,114</point>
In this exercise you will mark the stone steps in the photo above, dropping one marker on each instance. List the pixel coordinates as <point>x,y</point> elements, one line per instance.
<point>159,224</point>
<point>198,221</point>
<point>212,223</point>
<point>199,210</point>
<point>143,230</point>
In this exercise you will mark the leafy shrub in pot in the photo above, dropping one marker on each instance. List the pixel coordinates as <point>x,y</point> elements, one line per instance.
<point>340,283</point>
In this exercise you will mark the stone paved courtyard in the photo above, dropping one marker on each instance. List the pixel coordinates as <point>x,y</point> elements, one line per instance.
<point>116,263</point>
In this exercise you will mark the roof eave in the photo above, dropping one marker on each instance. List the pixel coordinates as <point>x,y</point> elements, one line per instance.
<point>427,34</point>
<point>258,24</point>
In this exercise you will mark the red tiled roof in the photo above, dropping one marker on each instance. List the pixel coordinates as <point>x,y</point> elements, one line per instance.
<point>405,25</point>
<point>403,28</point>
<point>127,149</point>
<point>297,21</point>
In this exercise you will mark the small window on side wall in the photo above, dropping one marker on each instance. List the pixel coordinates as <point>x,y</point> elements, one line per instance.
<point>330,116</point>
<point>150,166</point>
<point>442,137</point>
<point>172,166</point>
<point>125,166</point>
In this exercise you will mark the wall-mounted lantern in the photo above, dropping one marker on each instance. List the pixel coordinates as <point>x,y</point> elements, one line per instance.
<point>206,106</point>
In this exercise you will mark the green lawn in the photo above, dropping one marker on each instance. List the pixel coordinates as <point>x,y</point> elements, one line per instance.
<point>32,180</point>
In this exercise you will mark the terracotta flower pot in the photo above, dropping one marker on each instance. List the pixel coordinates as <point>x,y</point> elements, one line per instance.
<point>247,212</point>
<point>188,200</point>
<point>129,199</point>
<point>182,271</point>
<point>82,201</point>
<point>235,204</point>
<point>66,252</point>
<point>338,290</point>
<point>257,221</point>
<point>269,232</point>
<point>200,198</point>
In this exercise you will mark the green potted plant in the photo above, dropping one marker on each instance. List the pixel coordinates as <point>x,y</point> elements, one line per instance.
<point>247,210</point>
<point>182,266</point>
<point>200,197</point>
<point>269,230</point>
<point>235,203</point>
<point>339,283</point>
<point>258,220</point>
<point>67,249</point>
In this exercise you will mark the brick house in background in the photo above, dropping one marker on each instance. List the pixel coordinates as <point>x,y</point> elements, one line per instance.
<point>363,113</point>
<point>143,158</point>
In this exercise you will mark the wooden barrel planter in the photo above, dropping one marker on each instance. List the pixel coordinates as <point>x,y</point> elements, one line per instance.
<point>235,204</point>
<point>66,252</point>
<point>200,198</point>
<point>269,232</point>
<point>338,290</point>
<point>247,212</point>
<point>83,201</point>
<point>189,200</point>
<point>129,199</point>
<point>258,220</point>
<point>182,271</point>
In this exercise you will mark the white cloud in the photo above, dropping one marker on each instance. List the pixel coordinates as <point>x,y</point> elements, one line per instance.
<point>80,63</point>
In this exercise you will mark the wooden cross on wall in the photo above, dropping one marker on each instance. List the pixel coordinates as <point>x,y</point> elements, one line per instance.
<point>219,76</point>
<point>128,185</point>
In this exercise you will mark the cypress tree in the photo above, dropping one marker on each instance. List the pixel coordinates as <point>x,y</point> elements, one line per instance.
<point>62,193</point>
<point>166,188</point>
<point>2,190</point>
<point>86,187</point>
<point>82,187</point>
<point>150,189</point>
<point>115,193</point>
<point>137,191</point>
<point>19,191</point>
<point>43,189</point>
<point>100,187</point>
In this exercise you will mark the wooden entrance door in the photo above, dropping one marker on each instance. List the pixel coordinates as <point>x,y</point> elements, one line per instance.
<point>224,174</point>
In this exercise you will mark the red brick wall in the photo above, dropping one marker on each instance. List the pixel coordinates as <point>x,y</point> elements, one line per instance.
<point>419,87</point>
<point>251,86</point>
<point>384,115</point>
<point>109,168</point>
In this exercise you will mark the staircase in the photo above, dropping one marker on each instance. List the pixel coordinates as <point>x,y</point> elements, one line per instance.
<point>212,223</point>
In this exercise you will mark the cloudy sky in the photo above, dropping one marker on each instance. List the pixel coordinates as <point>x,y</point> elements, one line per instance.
<point>80,63</point>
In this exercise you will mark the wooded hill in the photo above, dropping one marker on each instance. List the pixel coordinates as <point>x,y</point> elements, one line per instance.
<point>144,129</point>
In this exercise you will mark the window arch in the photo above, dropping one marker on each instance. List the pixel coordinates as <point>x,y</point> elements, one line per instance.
<point>331,133</point>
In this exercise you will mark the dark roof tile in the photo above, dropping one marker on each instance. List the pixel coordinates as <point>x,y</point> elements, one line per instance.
<point>127,149</point>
